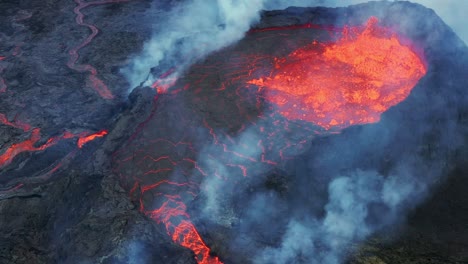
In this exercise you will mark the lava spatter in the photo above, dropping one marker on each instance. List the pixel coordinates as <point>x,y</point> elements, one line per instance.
<point>97,84</point>
<point>349,82</point>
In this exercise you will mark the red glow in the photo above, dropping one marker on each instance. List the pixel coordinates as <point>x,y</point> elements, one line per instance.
<point>350,82</point>
<point>85,139</point>
<point>97,84</point>
<point>173,215</point>
<point>28,145</point>
<point>17,124</point>
<point>165,81</point>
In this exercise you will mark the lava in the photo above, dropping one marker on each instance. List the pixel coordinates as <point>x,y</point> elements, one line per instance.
<point>349,82</point>
<point>179,227</point>
<point>16,124</point>
<point>85,139</point>
<point>331,85</point>
<point>29,145</point>
<point>97,84</point>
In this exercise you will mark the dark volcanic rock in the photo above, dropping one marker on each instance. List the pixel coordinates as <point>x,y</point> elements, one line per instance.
<point>65,204</point>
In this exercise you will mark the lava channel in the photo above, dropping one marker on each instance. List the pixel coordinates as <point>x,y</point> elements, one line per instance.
<point>352,81</point>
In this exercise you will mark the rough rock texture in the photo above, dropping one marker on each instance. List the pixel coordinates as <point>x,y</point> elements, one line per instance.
<point>79,213</point>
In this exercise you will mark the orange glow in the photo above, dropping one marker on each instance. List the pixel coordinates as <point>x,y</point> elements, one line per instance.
<point>173,215</point>
<point>350,82</point>
<point>85,139</point>
<point>27,145</point>
<point>16,124</point>
<point>165,81</point>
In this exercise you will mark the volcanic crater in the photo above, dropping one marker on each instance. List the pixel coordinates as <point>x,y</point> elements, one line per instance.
<point>366,102</point>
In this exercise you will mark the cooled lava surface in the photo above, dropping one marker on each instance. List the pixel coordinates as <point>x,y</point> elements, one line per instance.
<point>90,174</point>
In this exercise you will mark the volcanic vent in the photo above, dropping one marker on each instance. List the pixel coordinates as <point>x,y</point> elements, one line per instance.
<point>244,112</point>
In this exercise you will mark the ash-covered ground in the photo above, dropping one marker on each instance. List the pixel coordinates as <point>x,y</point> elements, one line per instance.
<point>62,203</point>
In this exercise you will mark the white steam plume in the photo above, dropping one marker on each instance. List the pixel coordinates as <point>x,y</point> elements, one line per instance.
<point>192,31</point>
<point>359,204</point>
<point>196,28</point>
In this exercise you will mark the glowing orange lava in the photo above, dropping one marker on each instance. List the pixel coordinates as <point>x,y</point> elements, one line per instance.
<point>173,215</point>
<point>29,145</point>
<point>85,139</point>
<point>350,82</point>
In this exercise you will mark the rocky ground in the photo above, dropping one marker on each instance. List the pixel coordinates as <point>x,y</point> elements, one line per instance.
<point>65,204</point>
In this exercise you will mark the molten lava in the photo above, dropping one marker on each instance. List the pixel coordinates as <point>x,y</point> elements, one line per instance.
<point>85,139</point>
<point>177,222</point>
<point>29,145</point>
<point>350,82</point>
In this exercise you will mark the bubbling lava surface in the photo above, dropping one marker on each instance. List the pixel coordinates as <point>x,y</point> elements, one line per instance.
<point>349,82</point>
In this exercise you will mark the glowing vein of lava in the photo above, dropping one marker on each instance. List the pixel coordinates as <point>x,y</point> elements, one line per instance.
<point>85,139</point>
<point>97,83</point>
<point>28,145</point>
<point>173,215</point>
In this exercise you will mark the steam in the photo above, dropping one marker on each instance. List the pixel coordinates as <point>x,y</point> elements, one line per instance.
<point>190,32</point>
<point>348,218</point>
<point>358,203</point>
<point>197,28</point>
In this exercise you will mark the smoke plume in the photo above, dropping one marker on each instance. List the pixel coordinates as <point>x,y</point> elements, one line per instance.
<point>191,31</point>
<point>353,205</point>
<point>195,28</point>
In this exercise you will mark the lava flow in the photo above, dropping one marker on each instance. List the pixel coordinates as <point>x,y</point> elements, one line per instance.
<point>335,85</point>
<point>350,82</point>
<point>87,138</point>
<point>16,124</point>
<point>97,84</point>
<point>29,144</point>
